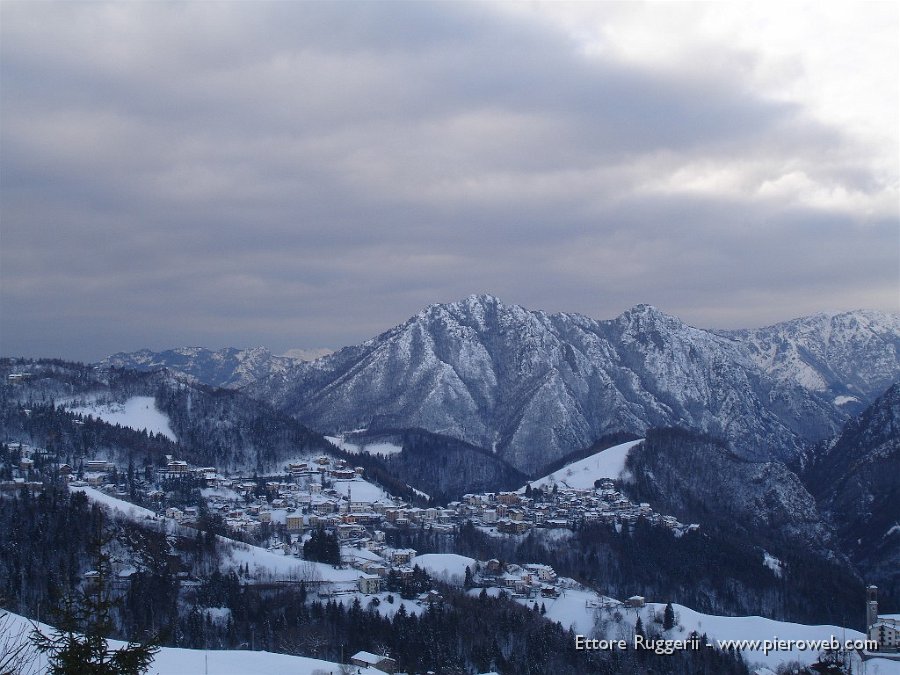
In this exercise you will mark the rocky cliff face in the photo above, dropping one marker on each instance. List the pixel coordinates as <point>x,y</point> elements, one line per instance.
<point>852,357</point>
<point>856,481</point>
<point>533,386</point>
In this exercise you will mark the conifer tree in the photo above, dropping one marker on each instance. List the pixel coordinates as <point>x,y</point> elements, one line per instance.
<point>669,617</point>
<point>639,627</point>
<point>77,646</point>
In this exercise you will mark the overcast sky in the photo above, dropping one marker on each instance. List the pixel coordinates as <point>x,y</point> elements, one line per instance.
<point>307,175</point>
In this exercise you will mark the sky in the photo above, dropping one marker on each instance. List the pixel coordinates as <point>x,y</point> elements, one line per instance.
<point>306,175</point>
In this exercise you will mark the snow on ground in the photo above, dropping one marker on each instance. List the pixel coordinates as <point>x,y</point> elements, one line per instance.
<point>842,400</point>
<point>607,463</point>
<point>173,661</point>
<point>368,448</point>
<point>580,609</point>
<point>756,627</point>
<point>418,492</point>
<point>772,563</point>
<point>221,492</point>
<point>384,607</point>
<point>382,448</point>
<point>138,412</point>
<point>449,567</point>
<point>351,552</point>
<point>880,667</point>
<point>360,490</point>
<point>263,563</point>
<point>132,511</point>
<point>737,628</point>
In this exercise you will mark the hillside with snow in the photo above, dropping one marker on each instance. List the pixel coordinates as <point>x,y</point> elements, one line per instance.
<point>138,412</point>
<point>608,463</point>
<point>174,661</point>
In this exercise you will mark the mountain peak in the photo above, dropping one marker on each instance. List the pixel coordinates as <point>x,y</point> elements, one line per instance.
<point>644,314</point>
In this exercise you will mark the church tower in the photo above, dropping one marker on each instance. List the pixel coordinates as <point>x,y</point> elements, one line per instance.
<point>871,606</point>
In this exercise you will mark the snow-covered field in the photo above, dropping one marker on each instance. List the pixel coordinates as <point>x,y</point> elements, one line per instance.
<point>172,661</point>
<point>607,463</point>
<point>579,609</point>
<point>449,567</point>
<point>368,448</point>
<point>132,511</point>
<point>360,490</point>
<point>263,563</point>
<point>138,413</point>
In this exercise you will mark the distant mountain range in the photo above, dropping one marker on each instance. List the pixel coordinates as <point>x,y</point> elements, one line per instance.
<point>229,367</point>
<point>532,386</point>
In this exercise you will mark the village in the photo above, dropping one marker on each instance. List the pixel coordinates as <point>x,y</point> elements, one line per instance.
<point>328,494</point>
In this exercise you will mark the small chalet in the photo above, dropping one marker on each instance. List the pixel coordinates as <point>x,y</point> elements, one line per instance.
<point>368,660</point>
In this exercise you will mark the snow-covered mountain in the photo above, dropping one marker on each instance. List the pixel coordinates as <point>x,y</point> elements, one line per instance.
<point>534,386</point>
<point>852,356</point>
<point>856,480</point>
<point>227,367</point>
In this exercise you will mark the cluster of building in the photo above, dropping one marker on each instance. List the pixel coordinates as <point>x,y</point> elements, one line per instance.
<point>325,492</point>
<point>517,512</point>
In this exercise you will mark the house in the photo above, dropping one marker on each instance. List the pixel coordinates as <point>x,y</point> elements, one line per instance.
<point>401,556</point>
<point>293,521</point>
<point>635,601</point>
<point>368,660</point>
<point>369,583</point>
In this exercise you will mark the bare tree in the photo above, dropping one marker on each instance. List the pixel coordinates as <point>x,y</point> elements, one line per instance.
<point>16,655</point>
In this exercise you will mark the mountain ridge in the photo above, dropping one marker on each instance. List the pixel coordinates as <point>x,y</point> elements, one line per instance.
<point>535,385</point>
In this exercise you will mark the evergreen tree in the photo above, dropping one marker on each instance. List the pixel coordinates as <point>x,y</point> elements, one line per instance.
<point>669,617</point>
<point>78,644</point>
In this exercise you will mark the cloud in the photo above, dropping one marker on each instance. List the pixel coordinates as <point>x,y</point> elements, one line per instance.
<point>304,174</point>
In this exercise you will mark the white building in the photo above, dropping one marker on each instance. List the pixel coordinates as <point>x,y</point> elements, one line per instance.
<point>882,629</point>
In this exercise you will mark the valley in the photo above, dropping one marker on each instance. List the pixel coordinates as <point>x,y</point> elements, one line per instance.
<point>548,474</point>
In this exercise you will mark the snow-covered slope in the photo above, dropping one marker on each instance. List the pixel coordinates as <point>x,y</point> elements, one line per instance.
<point>173,661</point>
<point>580,610</point>
<point>380,448</point>
<point>851,356</point>
<point>607,463</point>
<point>535,386</point>
<point>138,412</point>
<point>449,567</point>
